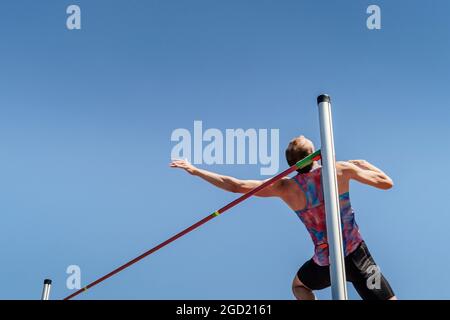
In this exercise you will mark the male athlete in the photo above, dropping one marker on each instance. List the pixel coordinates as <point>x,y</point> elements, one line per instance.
<point>303,194</point>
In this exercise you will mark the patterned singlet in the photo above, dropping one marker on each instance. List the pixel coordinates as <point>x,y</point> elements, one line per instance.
<point>313,217</point>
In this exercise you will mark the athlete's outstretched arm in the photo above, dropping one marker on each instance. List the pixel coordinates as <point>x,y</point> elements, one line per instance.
<point>228,183</point>
<point>365,172</point>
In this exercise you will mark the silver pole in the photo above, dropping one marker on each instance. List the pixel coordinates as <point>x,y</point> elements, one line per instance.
<point>331,198</point>
<point>46,290</point>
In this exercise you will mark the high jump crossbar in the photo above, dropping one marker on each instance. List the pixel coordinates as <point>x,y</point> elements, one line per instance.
<point>300,164</point>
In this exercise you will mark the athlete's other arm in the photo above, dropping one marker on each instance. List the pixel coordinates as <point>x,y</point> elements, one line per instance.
<point>231,184</point>
<point>365,172</point>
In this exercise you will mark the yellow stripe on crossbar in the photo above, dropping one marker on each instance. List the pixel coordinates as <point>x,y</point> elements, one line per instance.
<point>215,214</point>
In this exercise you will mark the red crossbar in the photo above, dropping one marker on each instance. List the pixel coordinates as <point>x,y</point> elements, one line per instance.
<point>302,163</point>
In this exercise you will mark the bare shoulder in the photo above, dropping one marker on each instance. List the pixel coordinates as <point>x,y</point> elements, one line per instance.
<point>285,183</point>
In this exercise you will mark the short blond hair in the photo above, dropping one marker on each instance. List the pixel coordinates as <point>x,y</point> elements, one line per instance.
<point>299,148</point>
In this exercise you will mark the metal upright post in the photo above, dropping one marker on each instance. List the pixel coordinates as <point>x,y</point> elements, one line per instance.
<point>46,290</point>
<point>331,198</point>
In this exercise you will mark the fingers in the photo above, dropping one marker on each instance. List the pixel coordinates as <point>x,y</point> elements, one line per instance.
<point>182,164</point>
<point>178,163</point>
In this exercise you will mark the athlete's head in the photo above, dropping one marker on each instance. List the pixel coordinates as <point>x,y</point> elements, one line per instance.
<point>299,148</point>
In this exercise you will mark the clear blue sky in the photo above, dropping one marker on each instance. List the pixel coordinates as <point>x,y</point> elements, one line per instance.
<point>86,118</point>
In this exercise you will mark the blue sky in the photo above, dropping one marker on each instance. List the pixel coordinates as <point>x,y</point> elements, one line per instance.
<point>86,118</point>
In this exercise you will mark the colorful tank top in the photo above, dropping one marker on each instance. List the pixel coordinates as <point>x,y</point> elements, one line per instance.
<point>313,217</point>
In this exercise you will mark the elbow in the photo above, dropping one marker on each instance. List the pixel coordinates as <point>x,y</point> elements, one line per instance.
<point>239,187</point>
<point>234,186</point>
<point>386,184</point>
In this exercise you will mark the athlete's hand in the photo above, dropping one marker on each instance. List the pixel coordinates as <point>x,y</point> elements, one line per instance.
<point>183,164</point>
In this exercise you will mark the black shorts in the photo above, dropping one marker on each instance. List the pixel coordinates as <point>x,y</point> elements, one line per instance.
<point>360,269</point>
